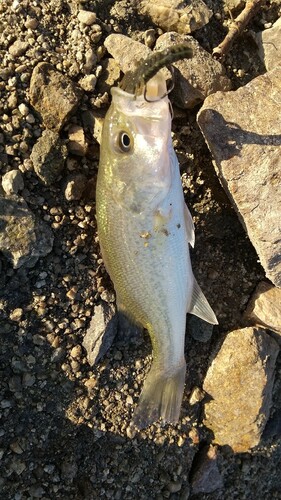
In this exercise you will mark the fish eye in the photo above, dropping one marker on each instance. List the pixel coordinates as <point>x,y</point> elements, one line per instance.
<point>124,142</point>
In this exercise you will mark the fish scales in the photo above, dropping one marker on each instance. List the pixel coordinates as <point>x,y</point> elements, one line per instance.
<point>144,230</point>
<point>137,275</point>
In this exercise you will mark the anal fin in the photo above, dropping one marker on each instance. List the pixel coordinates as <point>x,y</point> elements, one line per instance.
<point>199,306</point>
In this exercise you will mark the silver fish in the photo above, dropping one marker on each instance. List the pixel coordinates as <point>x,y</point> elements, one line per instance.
<point>145,230</point>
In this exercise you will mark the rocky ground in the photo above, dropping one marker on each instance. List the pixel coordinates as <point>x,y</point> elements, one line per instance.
<point>65,424</point>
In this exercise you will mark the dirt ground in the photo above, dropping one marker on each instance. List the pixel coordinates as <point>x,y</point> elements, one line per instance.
<point>64,425</point>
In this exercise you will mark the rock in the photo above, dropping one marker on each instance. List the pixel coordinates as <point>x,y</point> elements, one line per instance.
<point>239,382</point>
<point>195,78</point>
<point>23,109</point>
<point>246,147</point>
<point>90,61</point>
<point>31,23</point>
<point>75,187</point>
<point>18,48</point>
<point>126,52</point>
<point>109,76</point>
<point>86,17</point>
<point>199,330</point>
<point>48,156</point>
<point>269,44</point>
<point>196,396</point>
<point>264,307</point>
<point>12,182</point>
<point>77,144</point>
<point>23,238</point>
<point>88,83</point>
<point>206,477</point>
<point>175,15</point>
<point>101,332</point>
<point>54,96</point>
<point>234,4</point>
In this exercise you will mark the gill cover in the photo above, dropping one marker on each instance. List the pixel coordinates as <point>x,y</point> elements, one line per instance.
<point>137,138</point>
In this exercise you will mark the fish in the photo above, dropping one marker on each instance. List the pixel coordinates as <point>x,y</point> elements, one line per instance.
<point>145,230</point>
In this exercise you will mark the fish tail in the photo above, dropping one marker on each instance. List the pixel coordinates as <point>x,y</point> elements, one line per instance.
<point>161,397</point>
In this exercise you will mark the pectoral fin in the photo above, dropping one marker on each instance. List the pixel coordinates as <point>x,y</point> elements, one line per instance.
<point>189,226</point>
<point>200,307</point>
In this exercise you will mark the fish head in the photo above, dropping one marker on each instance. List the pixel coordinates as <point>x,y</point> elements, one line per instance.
<point>135,147</point>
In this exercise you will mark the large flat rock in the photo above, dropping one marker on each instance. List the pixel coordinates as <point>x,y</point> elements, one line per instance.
<point>239,384</point>
<point>243,131</point>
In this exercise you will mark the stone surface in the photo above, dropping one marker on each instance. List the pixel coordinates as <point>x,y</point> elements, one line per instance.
<point>18,48</point>
<point>77,143</point>
<point>175,15</point>
<point>195,78</point>
<point>239,382</point>
<point>12,182</point>
<point>87,17</point>
<point>75,187</point>
<point>23,238</point>
<point>206,476</point>
<point>54,96</point>
<point>88,83</point>
<point>232,5</point>
<point>101,332</point>
<point>264,307</point>
<point>243,132</point>
<point>126,51</point>
<point>269,43</point>
<point>199,329</point>
<point>48,156</point>
<point>109,76</point>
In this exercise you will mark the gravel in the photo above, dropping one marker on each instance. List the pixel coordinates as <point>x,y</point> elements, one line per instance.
<point>65,426</point>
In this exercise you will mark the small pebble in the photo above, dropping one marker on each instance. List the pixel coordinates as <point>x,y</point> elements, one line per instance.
<point>16,314</point>
<point>87,17</point>
<point>23,109</point>
<point>12,182</point>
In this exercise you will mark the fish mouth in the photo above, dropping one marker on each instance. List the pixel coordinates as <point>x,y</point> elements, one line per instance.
<point>135,81</point>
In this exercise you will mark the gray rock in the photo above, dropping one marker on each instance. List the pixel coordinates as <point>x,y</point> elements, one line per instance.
<point>54,96</point>
<point>269,44</point>
<point>206,476</point>
<point>126,52</point>
<point>239,382</point>
<point>23,238</point>
<point>199,330</point>
<point>101,332</point>
<point>243,132</point>
<point>12,182</point>
<point>48,156</point>
<point>264,308</point>
<point>175,15</point>
<point>195,78</point>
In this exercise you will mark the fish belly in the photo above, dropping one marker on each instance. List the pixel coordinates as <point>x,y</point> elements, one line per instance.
<point>149,265</point>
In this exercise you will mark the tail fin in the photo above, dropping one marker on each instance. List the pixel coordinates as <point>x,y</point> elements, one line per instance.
<point>161,397</point>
